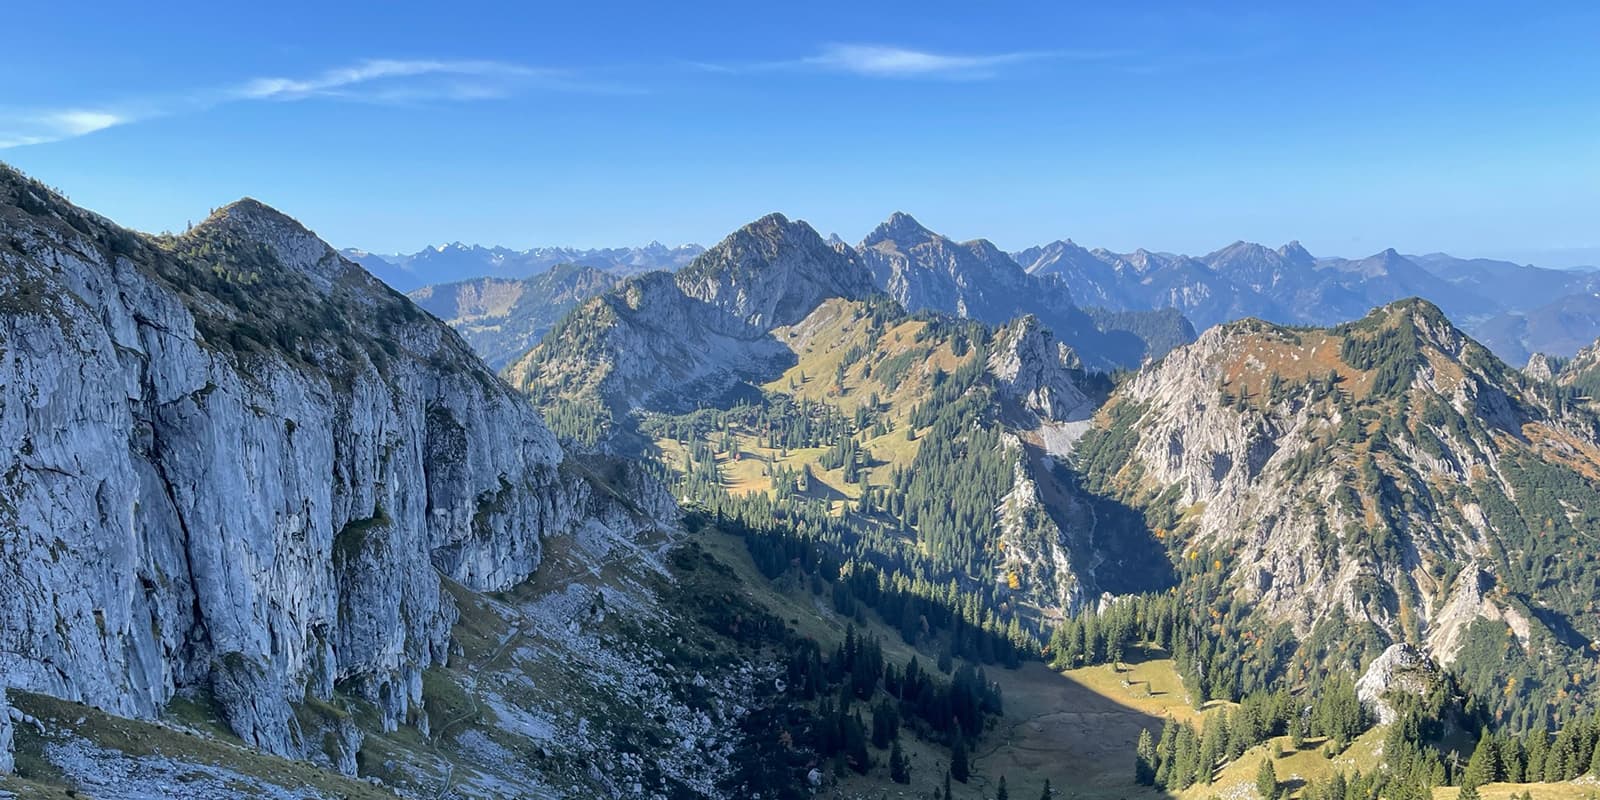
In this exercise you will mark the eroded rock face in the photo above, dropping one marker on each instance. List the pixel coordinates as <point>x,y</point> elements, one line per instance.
<point>260,516</point>
<point>1401,669</point>
<point>1296,475</point>
<point>7,762</point>
<point>773,272</point>
<point>1041,373</point>
<point>1538,368</point>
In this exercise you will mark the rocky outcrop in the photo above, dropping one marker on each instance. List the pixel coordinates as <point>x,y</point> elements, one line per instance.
<point>925,271</point>
<point>1360,472</point>
<point>1040,373</point>
<point>773,272</point>
<point>1538,368</point>
<point>1039,558</point>
<point>7,760</point>
<point>647,345</point>
<point>234,461</point>
<point>1400,670</point>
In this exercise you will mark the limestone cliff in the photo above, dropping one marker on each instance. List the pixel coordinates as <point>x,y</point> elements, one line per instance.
<point>1382,473</point>
<point>236,464</point>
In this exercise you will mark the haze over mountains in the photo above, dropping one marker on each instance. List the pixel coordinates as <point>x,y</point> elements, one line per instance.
<point>456,261</point>
<point>1516,310</point>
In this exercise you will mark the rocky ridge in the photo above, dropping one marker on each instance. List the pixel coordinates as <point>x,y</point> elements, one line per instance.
<point>1380,472</point>
<point>237,465</point>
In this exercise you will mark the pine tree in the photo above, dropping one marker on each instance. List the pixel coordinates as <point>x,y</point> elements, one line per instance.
<point>1144,765</point>
<point>1000,792</point>
<point>855,744</point>
<point>1267,780</point>
<point>958,759</point>
<point>1048,793</point>
<point>899,770</point>
<point>1484,766</point>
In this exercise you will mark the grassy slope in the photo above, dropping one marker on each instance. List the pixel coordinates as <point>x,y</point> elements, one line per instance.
<point>820,343</point>
<point>37,777</point>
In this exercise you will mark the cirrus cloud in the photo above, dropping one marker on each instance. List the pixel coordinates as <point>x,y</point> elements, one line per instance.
<point>891,61</point>
<point>371,81</point>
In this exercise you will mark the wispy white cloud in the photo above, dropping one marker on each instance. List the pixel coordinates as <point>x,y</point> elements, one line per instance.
<point>374,81</point>
<point>888,61</point>
<point>37,127</point>
<point>879,61</point>
<point>460,80</point>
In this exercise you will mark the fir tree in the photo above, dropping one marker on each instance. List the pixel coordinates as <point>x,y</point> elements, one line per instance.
<point>1144,764</point>
<point>899,770</point>
<point>958,758</point>
<point>1267,780</point>
<point>1484,766</point>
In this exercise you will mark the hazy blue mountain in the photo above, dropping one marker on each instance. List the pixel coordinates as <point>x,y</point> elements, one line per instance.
<point>503,317</point>
<point>1519,309</point>
<point>1558,328</point>
<point>449,263</point>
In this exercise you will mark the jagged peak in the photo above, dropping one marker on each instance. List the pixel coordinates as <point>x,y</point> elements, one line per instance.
<point>774,248</point>
<point>773,219</point>
<point>900,228</point>
<point>1296,254</point>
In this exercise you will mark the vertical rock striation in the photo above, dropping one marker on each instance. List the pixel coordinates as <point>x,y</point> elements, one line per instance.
<point>234,462</point>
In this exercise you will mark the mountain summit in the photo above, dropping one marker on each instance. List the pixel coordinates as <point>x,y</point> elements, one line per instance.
<point>1387,480</point>
<point>773,272</point>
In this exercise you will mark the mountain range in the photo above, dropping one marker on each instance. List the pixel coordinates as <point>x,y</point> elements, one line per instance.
<point>792,517</point>
<point>1516,310</point>
<point>447,263</point>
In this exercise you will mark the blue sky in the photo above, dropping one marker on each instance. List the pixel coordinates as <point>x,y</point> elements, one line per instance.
<point>1180,126</point>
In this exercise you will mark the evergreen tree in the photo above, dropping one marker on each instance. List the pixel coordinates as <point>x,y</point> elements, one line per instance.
<point>958,758</point>
<point>1000,792</point>
<point>1267,780</point>
<point>1048,793</point>
<point>1484,766</point>
<point>1144,765</point>
<point>899,770</point>
<point>855,744</point>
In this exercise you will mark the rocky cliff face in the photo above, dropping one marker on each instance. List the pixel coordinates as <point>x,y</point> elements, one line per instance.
<point>1042,374</point>
<point>1400,670</point>
<point>6,760</point>
<point>1385,471</point>
<point>235,463</point>
<point>773,272</point>
<point>673,342</point>
<point>925,271</point>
